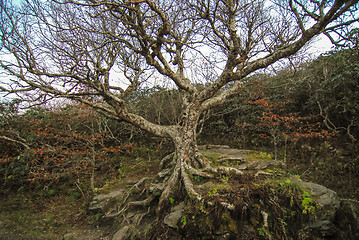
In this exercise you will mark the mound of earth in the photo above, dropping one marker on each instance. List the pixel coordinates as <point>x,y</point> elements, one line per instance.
<point>264,202</point>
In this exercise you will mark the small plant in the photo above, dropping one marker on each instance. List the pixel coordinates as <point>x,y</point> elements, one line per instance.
<point>172,200</point>
<point>262,231</point>
<point>265,155</point>
<point>184,221</point>
<point>307,203</point>
<point>194,177</point>
<point>121,173</point>
<point>224,178</point>
<point>197,178</point>
<point>213,192</point>
<point>156,193</point>
<point>203,209</point>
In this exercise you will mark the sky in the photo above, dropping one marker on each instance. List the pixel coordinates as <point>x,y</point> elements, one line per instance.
<point>322,45</point>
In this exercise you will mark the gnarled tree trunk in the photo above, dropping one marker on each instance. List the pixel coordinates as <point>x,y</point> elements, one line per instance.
<point>187,160</point>
<point>186,157</point>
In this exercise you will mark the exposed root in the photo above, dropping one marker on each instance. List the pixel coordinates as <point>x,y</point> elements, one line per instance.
<point>176,170</point>
<point>164,173</point>
<point>194,171</point>
<point>142,203</point>
<point>169,187</point>
<point>188,184</point>
<point>115,214</point>
<point>226,170</point>
<point>197,161</point>
<point>167,160</point>
<point>227,206</point>
<point>137,185</point>
<point>158,187</point>
<point>142,215</point>
<point>182,171</point>
<point>203,161</point>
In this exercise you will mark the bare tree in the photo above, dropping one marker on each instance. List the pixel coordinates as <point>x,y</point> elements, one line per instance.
<point>85,50</point>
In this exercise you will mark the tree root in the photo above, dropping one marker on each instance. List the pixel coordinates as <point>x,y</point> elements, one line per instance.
<point>197,172</point>
<point>167,159</point>
<point>226,170</point>
<point>173,172</point>
<point>169,187</point>
<point>137,185</point>
<point>182,171</point>
<point>142,203</point>
<point>188,184</point>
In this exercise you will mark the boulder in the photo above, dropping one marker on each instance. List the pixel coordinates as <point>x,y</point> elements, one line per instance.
<point>172,219</point>
<point>323,196</point>
<point>330,215</point>
<point>121,234</point>
<point>103,202</point>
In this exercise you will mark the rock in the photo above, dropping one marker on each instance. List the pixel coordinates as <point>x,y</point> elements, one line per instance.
<point>328,204</point>
<point>172,219</point>
<point>238,159</point>
<point>121,234</point>
<point>103,202</point>
<point>324,197</point>
<point>211,146</point>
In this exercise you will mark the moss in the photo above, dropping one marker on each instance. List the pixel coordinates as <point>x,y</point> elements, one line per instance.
<point>213,157</point>
<point>255,155</point>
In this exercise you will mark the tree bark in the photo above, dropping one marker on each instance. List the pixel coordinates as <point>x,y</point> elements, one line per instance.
<point>186,158</point>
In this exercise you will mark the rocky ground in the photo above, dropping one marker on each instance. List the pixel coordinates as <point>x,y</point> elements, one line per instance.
<point>316,211</point>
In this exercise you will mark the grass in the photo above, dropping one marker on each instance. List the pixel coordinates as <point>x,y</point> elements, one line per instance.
<point>38,218</point>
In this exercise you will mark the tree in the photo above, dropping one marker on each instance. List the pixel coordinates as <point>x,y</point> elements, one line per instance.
<point>275,122</point>
<point>84,50</point>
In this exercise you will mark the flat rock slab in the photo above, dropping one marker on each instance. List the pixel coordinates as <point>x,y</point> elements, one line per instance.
<point>229,153</point>
<point>238,156</point>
